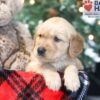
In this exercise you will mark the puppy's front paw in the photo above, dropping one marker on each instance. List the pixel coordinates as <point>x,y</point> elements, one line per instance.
<point>53,81</point>
<point>71,80</point>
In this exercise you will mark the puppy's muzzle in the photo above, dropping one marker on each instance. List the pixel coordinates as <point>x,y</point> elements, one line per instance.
<point>41,51</point>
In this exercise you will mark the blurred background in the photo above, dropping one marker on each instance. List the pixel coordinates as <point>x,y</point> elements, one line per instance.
<point>37,11</point>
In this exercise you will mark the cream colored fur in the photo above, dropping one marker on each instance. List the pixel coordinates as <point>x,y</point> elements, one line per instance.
<point>60,56</point>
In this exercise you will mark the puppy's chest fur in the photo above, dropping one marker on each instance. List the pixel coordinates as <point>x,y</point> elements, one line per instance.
<point>61,64</point>
<point>64,62</point>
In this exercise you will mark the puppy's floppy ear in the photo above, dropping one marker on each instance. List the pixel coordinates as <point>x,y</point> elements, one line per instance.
<point>75,46</point>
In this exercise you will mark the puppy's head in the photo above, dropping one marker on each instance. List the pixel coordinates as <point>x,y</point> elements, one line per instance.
<point>56,38</point>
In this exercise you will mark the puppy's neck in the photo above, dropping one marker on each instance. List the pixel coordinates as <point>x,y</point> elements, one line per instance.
<point>61,63</point>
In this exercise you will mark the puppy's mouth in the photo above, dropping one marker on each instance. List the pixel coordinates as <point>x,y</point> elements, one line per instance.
<point>43,59</point>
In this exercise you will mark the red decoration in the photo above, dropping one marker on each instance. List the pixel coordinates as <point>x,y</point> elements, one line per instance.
<point>88,5</point>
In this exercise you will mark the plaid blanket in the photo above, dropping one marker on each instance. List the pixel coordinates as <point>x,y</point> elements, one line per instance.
<point>27,86</point>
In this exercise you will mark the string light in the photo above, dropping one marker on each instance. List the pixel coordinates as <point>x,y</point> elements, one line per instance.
<point>98,22</point>
<point>61,1</point>
<point>22,1</point>
<point>81,9</point>
<point>32,2</point>
<point>90,37</point>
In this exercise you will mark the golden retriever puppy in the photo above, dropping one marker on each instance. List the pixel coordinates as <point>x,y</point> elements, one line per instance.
<point>55,49</point>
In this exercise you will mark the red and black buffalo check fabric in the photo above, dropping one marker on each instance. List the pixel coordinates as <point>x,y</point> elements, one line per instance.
<point>26,86</point>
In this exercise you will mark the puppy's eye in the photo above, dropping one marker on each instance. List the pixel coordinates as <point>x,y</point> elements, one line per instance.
<point>56,39</point>
<point>40,35</point>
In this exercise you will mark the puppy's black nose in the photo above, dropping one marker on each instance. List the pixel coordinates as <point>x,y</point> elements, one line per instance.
<point>41,51</point>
